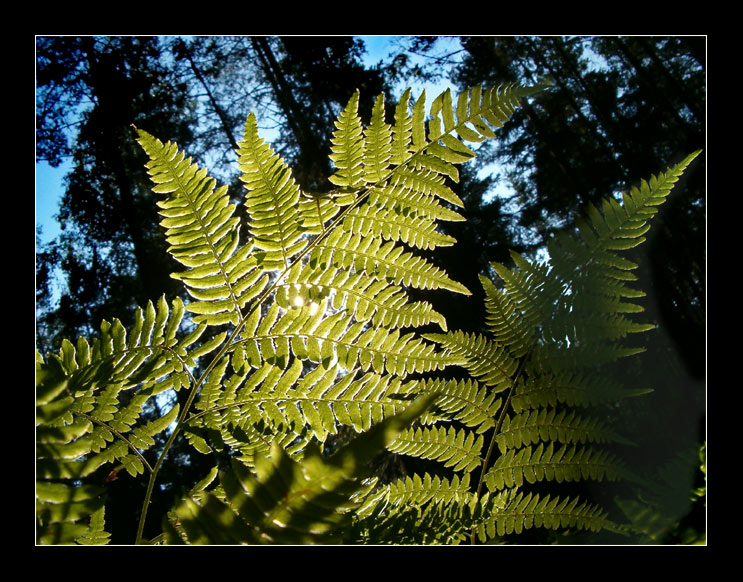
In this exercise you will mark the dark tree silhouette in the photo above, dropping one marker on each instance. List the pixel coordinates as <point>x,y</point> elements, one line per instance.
<point>109,250</point>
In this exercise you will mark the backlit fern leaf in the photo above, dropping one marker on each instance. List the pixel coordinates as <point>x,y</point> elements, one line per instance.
<point>459,449</point>
<point>418,490</point>
<point>381,260</point>
<point>568,463</point>
<point>434,523</point>
<point>528,510</point>
<point>549,424</point>
<point>378,142</point>
<point>380,220</point>
<point>203,235</point>
<point>485,360</point>
<point>553,327</point>
<point>90,397</point>
<point>321,400</point>
<point>466,401</point>
<point>597,275</point>
<point>348,148</point>
<point>402,131</point>
<point>368,298</point>
<point>272,201</point>
<point>286,501</point>
<point>309,334</point>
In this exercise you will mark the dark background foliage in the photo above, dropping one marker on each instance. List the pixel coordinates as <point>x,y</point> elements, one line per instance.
<point>620,109</point>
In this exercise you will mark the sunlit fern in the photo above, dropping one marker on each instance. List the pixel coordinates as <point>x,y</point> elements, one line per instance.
<point>305,326</point>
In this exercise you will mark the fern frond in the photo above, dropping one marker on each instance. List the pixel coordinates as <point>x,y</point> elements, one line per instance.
<point>551,424</point>
<point>581,390</point>
<point>96,534</point>
<point>272,201</point>
<point>486,361</point>
<point>528,510</point>
<point>417,193</point>
<point>477,113</point>
<point>309,335</point>
<point>151,360</point>
<point>378,142</point>
<point>418,490</point>
<point>367,298</point>
<point>530,288</point>
<point>63,512</point>
<point>459,449</point>
<point>286,501</point>
<point>568,463</point>
<point>466,401</point>
<point>348,147</point>
<point>504,320</point>
<point>84,423</point>
<point>402,131</point>
<point>203,235</point>
<point>417,510</point>
<point>332,342</point>
<point>300,408</point>
<point>380,260</point>
<point>619,227</point>
<point>434,523</point>
<point>380,220</point>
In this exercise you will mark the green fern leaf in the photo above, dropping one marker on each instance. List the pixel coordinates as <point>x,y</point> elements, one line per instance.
<point>95,535</point>
<point>549,424</point>
<point>331,341</point>
<point>527,511</point>
<point>285,501</point>
<point>383,261</point>
<point>458,449</point>
<point>377,219</point>
<point>378,150</point>
<point>367,298</point>
<point>568,463</point>
<point>61,510</point>
<point>420,491</point>
<point>418,123</point>
<point>484,360</point>
<point>349,147</point>
<point>402,131</point>
<point>272,201</point>
<point>326,340</point>
<point>81,423</point>
<point>575,390</point>
<point>466,401</point>
<point>203,235</point>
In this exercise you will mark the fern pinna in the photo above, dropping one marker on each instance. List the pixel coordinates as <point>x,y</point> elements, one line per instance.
<point>553,328</point>
<point>303,325</point>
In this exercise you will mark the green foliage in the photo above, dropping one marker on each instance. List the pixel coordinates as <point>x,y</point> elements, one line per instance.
<point>305,327</point>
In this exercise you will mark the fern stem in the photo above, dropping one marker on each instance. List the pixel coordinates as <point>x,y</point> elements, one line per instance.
<point>494,438</point>
<point>181,421</point>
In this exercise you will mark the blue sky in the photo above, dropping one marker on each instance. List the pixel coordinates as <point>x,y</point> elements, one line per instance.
<point>49,189</point>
